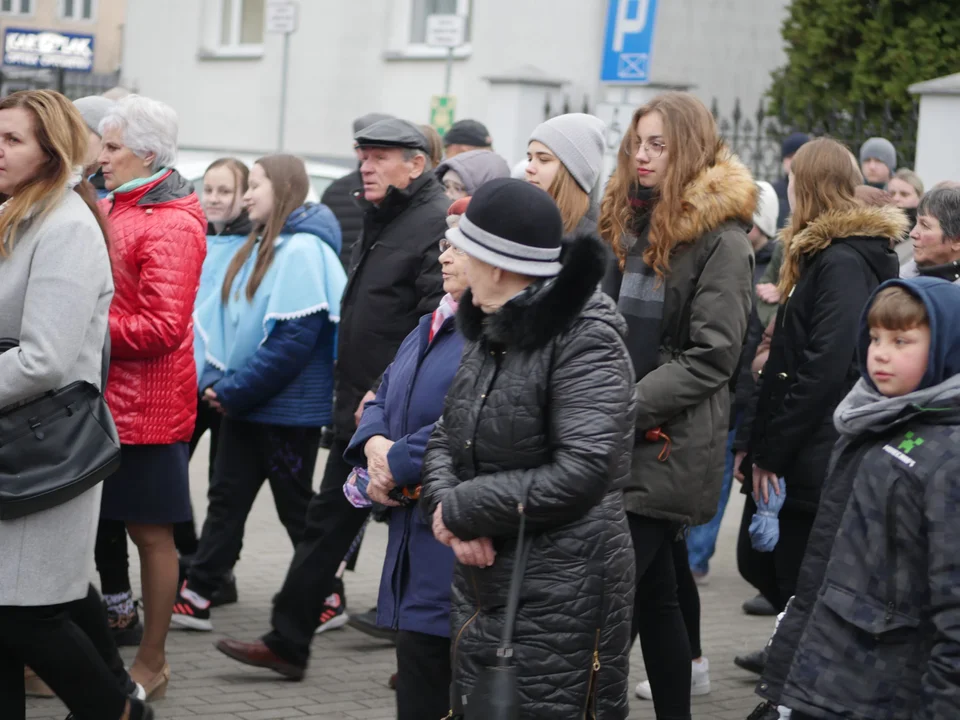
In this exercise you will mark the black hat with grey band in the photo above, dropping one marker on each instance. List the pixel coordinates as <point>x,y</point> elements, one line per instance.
<point>512,225</point>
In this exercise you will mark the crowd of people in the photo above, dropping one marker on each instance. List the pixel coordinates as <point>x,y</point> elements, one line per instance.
<point>546,387</point>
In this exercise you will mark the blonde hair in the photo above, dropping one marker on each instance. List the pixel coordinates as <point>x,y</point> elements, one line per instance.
<point>288,176</point>
<point>823,180</point>
<point>690,134</point>
<point>570,198</point>
<point>911,179</point>
<point>62,135</point>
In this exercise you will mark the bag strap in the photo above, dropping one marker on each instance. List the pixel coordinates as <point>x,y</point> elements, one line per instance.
<point>505,651</point>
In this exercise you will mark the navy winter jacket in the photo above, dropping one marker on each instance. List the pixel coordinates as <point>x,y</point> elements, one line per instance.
<point>418,570</point>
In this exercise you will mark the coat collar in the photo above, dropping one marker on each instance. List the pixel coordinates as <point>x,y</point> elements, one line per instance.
<point>546,308</point>
<point>889,223</point>
<point>723,192</point>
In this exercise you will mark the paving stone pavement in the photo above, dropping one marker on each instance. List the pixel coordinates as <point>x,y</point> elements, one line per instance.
<point>348,671</point>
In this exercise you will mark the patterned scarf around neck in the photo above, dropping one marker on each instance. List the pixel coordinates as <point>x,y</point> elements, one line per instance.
<point>446,310</point>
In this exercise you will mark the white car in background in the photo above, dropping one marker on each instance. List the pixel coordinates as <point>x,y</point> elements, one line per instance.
<point>193,163</point>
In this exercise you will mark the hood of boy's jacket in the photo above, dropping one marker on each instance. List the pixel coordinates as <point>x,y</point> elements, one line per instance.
<point>942,300</point>
<point>318,220</point>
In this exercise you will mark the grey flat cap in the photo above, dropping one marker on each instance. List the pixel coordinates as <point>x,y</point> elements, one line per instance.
<point>393,133</point>
<point>93,109</point>
<point>362,123</point>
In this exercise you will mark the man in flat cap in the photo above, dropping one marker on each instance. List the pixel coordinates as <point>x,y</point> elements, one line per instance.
<point>464,136</point>
<point>394,280</point>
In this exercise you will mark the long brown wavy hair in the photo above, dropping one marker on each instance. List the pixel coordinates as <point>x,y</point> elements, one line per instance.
<point>62,135</point>
<point>824,179</point>
<point>569,197</point>
<point>288,176</point>
<point>692,141</point>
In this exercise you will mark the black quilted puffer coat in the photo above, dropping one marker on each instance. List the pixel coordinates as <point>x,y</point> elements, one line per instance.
<point>541,415</point>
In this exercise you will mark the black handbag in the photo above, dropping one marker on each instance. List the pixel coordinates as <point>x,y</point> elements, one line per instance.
<point>54,447</point>
<point>496,695</point>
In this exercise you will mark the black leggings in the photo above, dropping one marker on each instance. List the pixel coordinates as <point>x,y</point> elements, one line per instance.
<point>657,618</point>
<point>48,640</point>
<point>688,596</point>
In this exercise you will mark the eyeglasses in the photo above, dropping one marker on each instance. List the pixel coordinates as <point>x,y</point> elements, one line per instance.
<point>447,245</point>
<point>652,149</point>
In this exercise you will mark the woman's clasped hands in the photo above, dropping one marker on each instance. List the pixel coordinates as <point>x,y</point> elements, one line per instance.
<point>473,553</point>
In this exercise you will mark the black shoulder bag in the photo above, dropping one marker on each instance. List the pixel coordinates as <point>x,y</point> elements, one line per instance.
<point>496,695</point>
<point>54,447</point>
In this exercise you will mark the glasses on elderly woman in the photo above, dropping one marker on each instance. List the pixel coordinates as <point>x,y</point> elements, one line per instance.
<point>447,245</point>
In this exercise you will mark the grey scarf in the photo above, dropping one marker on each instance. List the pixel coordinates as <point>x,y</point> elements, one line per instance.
<point>865,409</point>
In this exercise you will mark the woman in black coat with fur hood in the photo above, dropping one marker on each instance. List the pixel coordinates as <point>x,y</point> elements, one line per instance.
<point>538,422</point>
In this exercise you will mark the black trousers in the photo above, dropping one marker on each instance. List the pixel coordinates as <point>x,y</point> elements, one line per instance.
<point>332,524</point>
<point>688,596</point>
<point>250,453</point>
<point>657,618</point>
<point>90,616</point>
<point>49,641</point>
<point>185,533</point>
<point>774,574</point>
<point>423,676</point>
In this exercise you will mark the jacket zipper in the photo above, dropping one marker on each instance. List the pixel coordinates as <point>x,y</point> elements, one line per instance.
<point>592,683</point>
<point>891,560</point>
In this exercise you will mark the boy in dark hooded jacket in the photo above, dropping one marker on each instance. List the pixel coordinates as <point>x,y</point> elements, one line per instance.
<point>880,638</point>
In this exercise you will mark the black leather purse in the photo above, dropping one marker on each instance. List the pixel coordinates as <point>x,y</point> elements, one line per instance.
<point>496,695</point>
<point>54,447</point>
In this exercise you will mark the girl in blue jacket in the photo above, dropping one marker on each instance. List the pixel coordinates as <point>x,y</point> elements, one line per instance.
<point>268,369</point>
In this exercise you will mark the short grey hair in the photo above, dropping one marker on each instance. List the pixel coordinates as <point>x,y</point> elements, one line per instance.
<point>148,126</point>
<point>410,153</point>
<point>944,205</point>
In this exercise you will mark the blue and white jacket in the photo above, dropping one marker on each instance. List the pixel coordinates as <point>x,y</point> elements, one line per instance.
<point>270,359</point>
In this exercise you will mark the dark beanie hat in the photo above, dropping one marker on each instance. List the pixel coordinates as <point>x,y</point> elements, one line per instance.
<point>792,143</point>
<point>512,225</point>
<point>468,132</point>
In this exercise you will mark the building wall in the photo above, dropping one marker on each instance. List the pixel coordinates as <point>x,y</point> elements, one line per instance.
<point>349,58</point>
<point>938,148</point>
<point>106,26</point>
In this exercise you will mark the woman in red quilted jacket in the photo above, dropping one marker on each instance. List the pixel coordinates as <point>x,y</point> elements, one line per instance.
<point>158,231</point>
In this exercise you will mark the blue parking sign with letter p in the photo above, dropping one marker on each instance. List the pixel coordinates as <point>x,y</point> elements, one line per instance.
<point>629,36</point>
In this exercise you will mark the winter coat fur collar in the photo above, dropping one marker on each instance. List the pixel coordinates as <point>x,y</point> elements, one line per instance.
<point>548,307</point>
<point>723,192</point>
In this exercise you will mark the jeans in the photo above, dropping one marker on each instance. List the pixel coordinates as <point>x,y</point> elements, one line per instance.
<point>423,676</point>
<point>332,523</point>
<point>250,453</point>
<point>657,617</point>
<point>702,539</point>
<point>47,639</point>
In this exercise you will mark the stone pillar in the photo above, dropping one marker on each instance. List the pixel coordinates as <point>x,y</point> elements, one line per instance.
<point>516,106</point>
<point>938,142</point>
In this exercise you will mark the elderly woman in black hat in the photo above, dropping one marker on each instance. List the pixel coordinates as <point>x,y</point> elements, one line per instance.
<point>539,423</point>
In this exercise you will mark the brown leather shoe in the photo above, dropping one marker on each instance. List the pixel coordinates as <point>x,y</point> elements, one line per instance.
<point>258,654</point>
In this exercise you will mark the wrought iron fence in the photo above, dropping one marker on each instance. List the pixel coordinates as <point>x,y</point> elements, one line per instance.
<point>757,138</point>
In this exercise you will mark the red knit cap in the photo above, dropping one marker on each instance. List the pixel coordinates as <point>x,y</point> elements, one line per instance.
<point>459,207</point>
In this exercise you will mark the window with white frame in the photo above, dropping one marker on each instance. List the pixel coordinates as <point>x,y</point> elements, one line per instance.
<point>77,9</point>
<point>241,23</point>
<point>421,9</point>
<point>16,7</point>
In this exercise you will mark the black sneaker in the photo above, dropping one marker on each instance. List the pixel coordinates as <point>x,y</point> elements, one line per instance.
<point>764,711</point>
<point>760,607</point>
<point>127,630</point>
<point>753,662</point>
<point>226,594</point>
<point>334,615</point>
<point>188,616</point>
<point>367,624</point>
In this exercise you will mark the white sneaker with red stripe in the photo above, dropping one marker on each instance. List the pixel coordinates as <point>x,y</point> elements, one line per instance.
<point>190,611</point>
<point>334,615</point>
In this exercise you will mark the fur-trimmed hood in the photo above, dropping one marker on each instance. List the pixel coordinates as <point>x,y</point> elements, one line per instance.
<point>882,224</point>
<point>724,192</point>
<point>548,307</point>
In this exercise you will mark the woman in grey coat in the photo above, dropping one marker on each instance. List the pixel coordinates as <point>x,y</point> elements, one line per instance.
<point>55,292</point>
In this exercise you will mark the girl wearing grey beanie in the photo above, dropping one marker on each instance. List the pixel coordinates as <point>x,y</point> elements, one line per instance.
<point>565,157</point>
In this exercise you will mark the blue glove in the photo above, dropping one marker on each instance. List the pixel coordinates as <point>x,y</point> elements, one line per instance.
<point>765,526</point>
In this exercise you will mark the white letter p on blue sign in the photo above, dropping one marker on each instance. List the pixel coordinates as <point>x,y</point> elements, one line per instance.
<point>629,36</point>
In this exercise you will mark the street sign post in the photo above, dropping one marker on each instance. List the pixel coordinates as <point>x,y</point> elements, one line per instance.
<point>282,19</point>
<point>447,31</point>
<point>442,110</point>
<point>628,39</point>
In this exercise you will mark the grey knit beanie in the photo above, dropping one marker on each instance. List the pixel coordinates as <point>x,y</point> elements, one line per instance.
<point>93,109</point>
<point>880,149</point>
<point>577,141</point>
